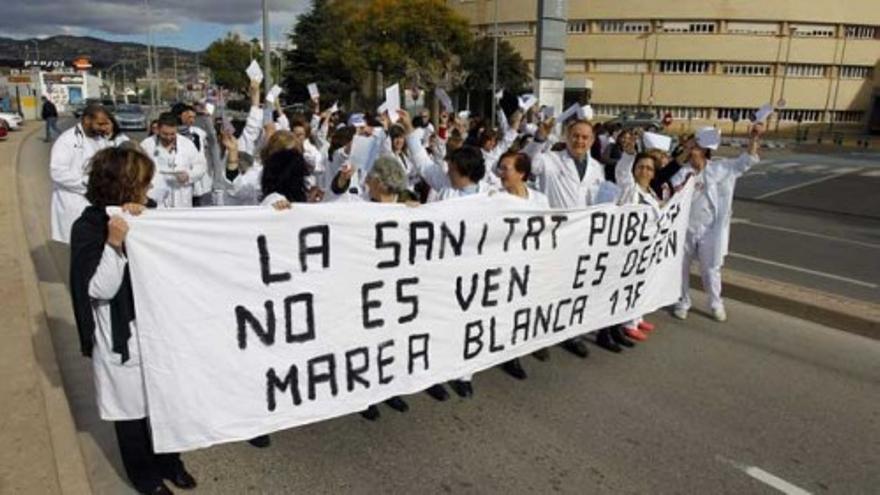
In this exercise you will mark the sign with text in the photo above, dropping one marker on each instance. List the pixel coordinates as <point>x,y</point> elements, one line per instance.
<point>253,320</point>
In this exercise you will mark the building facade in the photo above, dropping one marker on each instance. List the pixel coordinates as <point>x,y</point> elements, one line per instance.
<point>710,61</point>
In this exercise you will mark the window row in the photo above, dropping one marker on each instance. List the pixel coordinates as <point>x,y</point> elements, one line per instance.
<point>728,69</point>
<point>805,30</point>
<point>728,114</point>
<point>684,67</point>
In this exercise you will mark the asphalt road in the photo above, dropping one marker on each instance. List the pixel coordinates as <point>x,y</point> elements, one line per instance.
<point>762,403</point>
<point>811,220</point>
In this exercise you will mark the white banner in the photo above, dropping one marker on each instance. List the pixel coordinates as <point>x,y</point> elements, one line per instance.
<point>253,320</point>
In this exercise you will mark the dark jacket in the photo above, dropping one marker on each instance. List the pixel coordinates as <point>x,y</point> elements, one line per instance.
<point>49,110</point>
<point>87,239</point>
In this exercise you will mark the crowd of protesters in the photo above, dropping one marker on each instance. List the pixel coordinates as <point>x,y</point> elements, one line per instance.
<point>192,159</point>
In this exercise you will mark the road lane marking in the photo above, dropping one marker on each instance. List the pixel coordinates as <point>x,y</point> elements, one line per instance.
<point>871,173</point>
<point>784,165</point>
<point>746,221</point>
<point>804,270</point>
<point>765,477</point>
<point>802,184</point>
<point>813,168</point>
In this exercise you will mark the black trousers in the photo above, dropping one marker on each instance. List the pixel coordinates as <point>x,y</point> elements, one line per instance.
<point>144,467</point>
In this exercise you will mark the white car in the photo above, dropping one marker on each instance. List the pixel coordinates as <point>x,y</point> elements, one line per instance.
<point>13,120</point>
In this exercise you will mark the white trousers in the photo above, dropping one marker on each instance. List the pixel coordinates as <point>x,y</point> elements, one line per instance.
<point>710,271</point>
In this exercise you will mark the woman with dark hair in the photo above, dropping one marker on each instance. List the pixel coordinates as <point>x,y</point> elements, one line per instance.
<point>284,178</point>
<point>103,306</point>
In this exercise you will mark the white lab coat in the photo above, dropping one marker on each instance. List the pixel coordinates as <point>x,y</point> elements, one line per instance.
<point>245,189</point>
<point>182,157</point>
<point>558,177</point>
<point>206,183</point>
<point>709,223</point>
<point>120,389</point>
<point>535,198</point>
<point>67,167</point>
<point>630,192</point>
<point>435,175</point>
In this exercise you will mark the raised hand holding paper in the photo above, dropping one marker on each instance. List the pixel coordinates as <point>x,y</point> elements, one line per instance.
<point>586,112</point>
<point>273,93</point>
<point>254,72</point>
<point>569,112</point>
<point>652,140</point>
<point>392,102</point>
<point>444,98</point>
<point>763,112</point>
<point>527,101</point>
<point>313,91</point>
<point>361,150</point>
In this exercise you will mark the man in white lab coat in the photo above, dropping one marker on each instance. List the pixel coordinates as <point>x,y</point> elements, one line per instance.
<point>67,167</point>
<point>570,178</point>
<point>186,116</point>
<point>709,224</point>
<point>179,165</point>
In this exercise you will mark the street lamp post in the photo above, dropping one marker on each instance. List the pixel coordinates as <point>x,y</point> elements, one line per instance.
<point>837,85</point>
<point>781,102</point>
<point>495,66</point>
<point>267,55</point>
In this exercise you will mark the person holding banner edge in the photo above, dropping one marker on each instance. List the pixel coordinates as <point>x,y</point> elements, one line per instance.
<point>103,306</point>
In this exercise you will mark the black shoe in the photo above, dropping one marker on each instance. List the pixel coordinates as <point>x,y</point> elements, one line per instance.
<point>261,442</point>
<point>437,392</point>
<point>159,489</point>
<point>182,479</point>
<point>397,404</point>
<point>514,368</point>
<point>576,346</point>
<point>371,413</point>
<point>603,340</point>
<point>618,337</point>
<point>464,389</point>
<point>542,354</point>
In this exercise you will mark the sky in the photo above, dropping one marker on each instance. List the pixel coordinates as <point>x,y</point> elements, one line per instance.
<point>188,24</point>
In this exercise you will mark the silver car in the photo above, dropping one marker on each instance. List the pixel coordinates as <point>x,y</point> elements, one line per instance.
<point>131,118</point>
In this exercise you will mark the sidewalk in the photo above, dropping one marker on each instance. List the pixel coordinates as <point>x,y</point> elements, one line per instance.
<point>39,451</point>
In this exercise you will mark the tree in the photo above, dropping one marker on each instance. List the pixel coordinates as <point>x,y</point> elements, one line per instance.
<point>314,58</point>
<point>228,58</point>
<point>343,44</point>
<point>513,72</point>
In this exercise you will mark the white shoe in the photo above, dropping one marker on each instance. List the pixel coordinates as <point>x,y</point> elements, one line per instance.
<point>680,313</point>
<point>719,314</point>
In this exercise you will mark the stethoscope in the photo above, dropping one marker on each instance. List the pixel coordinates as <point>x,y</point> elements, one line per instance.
<point>172,152</point>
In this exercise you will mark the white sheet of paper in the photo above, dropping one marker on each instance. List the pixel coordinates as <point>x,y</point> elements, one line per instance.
<point>444,98</point>
<point>569,112</point>
<point>273,93</point>
<point>334,108</point>
<point>392,102</point>
<point>313,91</point>
<point>209,107</point>
<point>548,112</point>
<point>382,108</point>
<point>464,114</point>
<point>254,72</point>
<point>763,112</point>
<point>361,150</point>
<point>499,94</point>
<point>586,112</point>
<point>652,140</point>
<point>527,101</point>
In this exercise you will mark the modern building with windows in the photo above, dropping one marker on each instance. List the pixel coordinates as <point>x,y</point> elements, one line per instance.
<point>707,61</point>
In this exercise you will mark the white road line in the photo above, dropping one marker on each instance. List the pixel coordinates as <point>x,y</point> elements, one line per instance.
<point>765,477</point>
<point>746,221</point>
<point>871,173</point>
<point>798,186</point>
<point>813,168</point>
<point>783,166</point>
<point>804,270</point>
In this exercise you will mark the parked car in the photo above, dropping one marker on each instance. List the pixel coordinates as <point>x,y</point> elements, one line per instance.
<point>645,120</point>
<point>131,117</point>
<point>12,120</point>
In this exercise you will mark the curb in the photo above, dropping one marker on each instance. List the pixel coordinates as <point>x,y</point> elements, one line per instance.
<point>842,313</point>
<point>69,461</point>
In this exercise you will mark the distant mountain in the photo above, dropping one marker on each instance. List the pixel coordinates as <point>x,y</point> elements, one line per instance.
<point>101,53</point>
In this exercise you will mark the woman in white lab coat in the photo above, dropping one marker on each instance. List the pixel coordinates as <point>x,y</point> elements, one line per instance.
<point>709,223</point>
<point>103,306</point>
